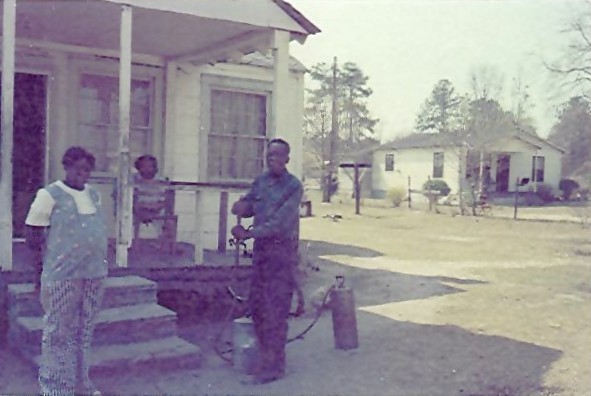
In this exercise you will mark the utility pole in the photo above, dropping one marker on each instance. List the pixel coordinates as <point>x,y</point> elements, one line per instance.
<point>334,132</point>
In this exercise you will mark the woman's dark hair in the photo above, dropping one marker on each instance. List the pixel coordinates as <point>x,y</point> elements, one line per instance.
<point>75,154</point>
<point>147,157</point>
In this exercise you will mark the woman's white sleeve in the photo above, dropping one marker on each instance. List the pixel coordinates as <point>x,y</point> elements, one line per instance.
<point>41,208</point>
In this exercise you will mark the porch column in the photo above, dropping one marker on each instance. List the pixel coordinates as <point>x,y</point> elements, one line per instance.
<point>170,118</point>
<point>198,227</point>
<point>6,142</point>
<point>281,108</point>
<point>123,182</point>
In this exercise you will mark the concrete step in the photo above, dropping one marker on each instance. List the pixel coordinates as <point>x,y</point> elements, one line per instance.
<point>163,354</point>
<point>119,291</point>
<point>119,325</point>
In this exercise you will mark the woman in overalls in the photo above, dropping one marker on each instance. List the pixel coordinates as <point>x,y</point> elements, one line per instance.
<point>67,227</point>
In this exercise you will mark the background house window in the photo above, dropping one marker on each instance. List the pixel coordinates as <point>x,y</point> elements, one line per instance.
<point>237,135</point>
<point>389,162</point>
<point>438,164</point>
<point>537,171</point>
<point>98,118</point>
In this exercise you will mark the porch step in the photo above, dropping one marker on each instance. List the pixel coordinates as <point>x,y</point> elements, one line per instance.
<point>119,291</point>
<point>131,327</point>
<point>121,325</point>
<point>166,354</point>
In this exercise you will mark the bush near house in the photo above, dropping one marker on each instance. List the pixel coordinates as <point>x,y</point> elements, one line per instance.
<point>396,195</point>
<point>567,186</point>
<point>437,185</point>
<point>543,191</point>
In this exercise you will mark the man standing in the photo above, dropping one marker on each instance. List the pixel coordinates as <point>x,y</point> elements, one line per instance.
<point>274,201</point>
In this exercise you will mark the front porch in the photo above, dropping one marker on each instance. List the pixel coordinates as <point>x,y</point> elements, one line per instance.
<point>112,83</point>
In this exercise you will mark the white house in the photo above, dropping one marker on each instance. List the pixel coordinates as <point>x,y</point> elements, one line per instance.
<point>415,158</point>
<point>168,78</point>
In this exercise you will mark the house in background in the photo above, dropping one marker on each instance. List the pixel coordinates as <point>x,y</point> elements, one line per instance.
<point>195,101</point>
<point>417,157</point>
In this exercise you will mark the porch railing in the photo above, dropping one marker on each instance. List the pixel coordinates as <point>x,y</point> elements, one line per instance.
<point>197,189</point>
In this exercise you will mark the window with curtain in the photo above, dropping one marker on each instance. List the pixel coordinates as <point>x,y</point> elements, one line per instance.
<point>237,135</point>
<point>389,162</point>
<point>438,164</point>
<point>98,118</point>
<point>537,171</point>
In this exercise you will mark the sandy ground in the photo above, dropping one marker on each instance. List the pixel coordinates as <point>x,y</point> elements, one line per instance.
<point>441,310</point>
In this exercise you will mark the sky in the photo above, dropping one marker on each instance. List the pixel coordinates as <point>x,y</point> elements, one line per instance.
<point>406,46</point>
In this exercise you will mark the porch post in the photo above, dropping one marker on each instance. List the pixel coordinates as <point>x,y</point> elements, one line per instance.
<point>6,142</point>
<point>198,227</point>
<point>170,118</point>
<point>281,109</point>
<point>124,190</point>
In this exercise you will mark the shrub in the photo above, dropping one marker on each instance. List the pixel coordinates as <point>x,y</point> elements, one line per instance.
<point>437,185</point>
<point>567,186</point>
<point>396,195</point>
<point>544,192</point>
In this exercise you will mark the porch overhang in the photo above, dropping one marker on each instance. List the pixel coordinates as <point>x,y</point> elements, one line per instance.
<point>199,31</point>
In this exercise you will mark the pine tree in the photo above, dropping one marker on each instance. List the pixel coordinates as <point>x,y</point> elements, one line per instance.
<point>441,112</point>
<point>355,125</point>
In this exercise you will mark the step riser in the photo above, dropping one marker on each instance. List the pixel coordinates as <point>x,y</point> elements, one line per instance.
<point>105,334</point>
<point>189,361</point>
<point>133,331</point>
<point>28,304</point>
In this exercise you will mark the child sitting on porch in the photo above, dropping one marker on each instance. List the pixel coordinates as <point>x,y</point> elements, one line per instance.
<point>149,201</point>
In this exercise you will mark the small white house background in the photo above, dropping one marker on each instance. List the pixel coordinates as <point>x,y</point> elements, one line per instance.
<point>419,157</point>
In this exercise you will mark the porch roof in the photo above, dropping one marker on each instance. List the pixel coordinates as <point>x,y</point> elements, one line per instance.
<point>200,31</point>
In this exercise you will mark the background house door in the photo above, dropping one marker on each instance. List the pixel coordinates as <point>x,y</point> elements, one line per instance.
<point>28,160</point>
<point>503,167</point>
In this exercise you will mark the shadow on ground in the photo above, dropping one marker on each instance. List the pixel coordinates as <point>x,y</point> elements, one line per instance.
<point>373,287</point>
<point>394,357</point>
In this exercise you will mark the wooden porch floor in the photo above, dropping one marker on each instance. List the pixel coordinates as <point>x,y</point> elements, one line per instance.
<point>148,256</point>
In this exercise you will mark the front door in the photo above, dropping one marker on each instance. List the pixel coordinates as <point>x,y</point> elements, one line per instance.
<point>28,158</point>
<point>503,168</point>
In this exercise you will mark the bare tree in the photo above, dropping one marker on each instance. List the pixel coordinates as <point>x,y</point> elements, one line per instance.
<point>574,65</point>
<point>521,104</point>
<point>486,82</point>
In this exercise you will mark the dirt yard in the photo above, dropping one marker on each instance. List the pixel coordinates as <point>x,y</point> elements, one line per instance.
<point>487,306</point>
<point>447,305</point>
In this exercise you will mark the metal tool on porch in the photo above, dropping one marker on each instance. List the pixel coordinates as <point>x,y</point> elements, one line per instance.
<point>243,345</point>
<point>237,244</point>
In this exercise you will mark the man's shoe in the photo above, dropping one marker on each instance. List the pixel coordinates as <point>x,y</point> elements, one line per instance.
<point>264,378</point>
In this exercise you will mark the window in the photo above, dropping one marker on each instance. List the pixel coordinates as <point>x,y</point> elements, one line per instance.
<point>237,135</point>
<point>389,162</point>
<point>437,164</point>
<point>537,169</point>
<point>98,118</point>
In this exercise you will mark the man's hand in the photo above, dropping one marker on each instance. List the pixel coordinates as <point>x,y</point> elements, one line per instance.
<point>240,233</point>
<point>241,208</point>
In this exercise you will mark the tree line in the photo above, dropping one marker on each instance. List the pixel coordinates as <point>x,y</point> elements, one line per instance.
<point>338,123</point>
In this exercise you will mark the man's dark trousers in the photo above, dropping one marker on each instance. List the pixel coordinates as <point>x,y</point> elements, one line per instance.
<point>270,298</point>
